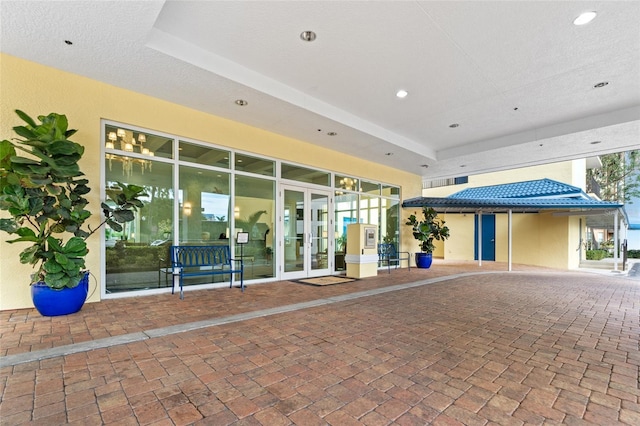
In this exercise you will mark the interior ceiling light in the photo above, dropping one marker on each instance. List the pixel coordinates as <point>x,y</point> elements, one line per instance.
<point>601,84</point>
<point>308,36</point>
<point>454,125</point>
<point>402,93</point>
<point>584,18</point>
<point>242,102</point>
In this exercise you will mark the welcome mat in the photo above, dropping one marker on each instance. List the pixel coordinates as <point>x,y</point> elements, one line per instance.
<point>328,280</point>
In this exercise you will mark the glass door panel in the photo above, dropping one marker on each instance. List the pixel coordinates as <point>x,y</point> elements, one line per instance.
<point>319,244</point>
<point>306,224</point>
<point>294,230</point>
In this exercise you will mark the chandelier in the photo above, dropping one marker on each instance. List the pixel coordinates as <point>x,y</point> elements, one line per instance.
<point>348,184</point>
<point>124,140</point>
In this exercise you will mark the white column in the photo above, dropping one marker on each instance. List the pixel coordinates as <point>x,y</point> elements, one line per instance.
<point>510,237</point>
<point>480,238</point>
<point>615,241</point>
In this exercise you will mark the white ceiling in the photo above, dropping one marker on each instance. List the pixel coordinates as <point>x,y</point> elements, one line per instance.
<point>471,63</point>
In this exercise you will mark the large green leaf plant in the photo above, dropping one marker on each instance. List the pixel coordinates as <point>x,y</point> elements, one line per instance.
<point>428,229</point>
<point>44,195</point>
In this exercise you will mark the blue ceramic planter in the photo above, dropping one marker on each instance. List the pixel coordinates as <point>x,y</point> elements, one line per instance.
<point>423,260</point>
<point>52,303</point>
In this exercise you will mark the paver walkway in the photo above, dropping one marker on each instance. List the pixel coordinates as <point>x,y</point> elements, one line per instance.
<point>528,347</point>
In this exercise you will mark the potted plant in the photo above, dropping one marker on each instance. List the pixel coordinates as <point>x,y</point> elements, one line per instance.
<point>425,231</point>
<point>43,194</point>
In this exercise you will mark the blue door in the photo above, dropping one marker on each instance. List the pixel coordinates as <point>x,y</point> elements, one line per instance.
<point>488,237</point>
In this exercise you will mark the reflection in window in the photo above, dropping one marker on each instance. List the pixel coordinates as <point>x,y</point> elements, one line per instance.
<point>255,210</point>
<point>346,213</point>
<point>391,191</point>
<point>390,221</point>
<point>303,174</point>
<point>347,183</point>
<point>260,166</point>
<point>138,144</point>
<point>202,154</point>
<point>133,256</point>
<point>203,206</point>
<point>370,187</point>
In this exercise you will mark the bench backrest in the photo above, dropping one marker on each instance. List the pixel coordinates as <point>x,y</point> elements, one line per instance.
<point>188,256</point>
<point>387,250</point>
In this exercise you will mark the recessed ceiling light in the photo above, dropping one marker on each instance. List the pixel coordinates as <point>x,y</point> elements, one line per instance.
<point>307,36</point>
<point>601,84</point>
<point>584,18</point>
<point>402,93</point>
<point>454,125</point>
<point>241,102</point>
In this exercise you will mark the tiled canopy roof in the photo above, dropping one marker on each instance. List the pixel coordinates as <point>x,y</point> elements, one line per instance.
<point>542,188</point>
<point>530,196</point>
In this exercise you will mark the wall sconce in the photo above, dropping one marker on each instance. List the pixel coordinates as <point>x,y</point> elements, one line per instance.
<point>186,209</point>
<point>236,212</point>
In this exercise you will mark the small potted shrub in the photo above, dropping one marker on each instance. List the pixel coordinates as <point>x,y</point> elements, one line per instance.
<point>425,231</point>
<point>44,195</point>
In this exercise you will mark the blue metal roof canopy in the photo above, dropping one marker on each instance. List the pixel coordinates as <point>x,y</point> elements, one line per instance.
<point>520,197</point>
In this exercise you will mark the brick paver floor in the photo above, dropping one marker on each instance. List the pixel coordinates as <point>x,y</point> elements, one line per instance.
<point>528,347</point>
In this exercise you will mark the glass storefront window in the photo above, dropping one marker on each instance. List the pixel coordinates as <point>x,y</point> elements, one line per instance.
<point>369,211</point>
<point>370,187</point>
<point>390,221</point>
<point>391,191</point>
<point>204,204</point>
<point>143,144</point>
<point>259,166</point>
<point>302,174</point>
<point>203,200</point>
<point>134,256</point>
<point>346,213</point>
<point>346,183</point>
<point>202,154</point>
<point>255,212</point>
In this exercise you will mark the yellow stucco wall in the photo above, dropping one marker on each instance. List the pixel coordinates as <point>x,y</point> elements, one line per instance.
<point>39,90</point>
<point>570,172</point>
<point>538,239</point>
<point>459,246</point>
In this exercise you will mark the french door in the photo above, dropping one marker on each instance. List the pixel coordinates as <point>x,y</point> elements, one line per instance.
<point>306,224</point>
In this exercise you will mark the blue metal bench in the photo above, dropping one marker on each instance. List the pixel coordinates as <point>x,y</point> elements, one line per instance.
<point>388,253</point>
<point>193,261</point>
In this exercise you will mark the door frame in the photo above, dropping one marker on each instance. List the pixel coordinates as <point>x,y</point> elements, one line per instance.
<point>488,237</point>
<point>307,270</point>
